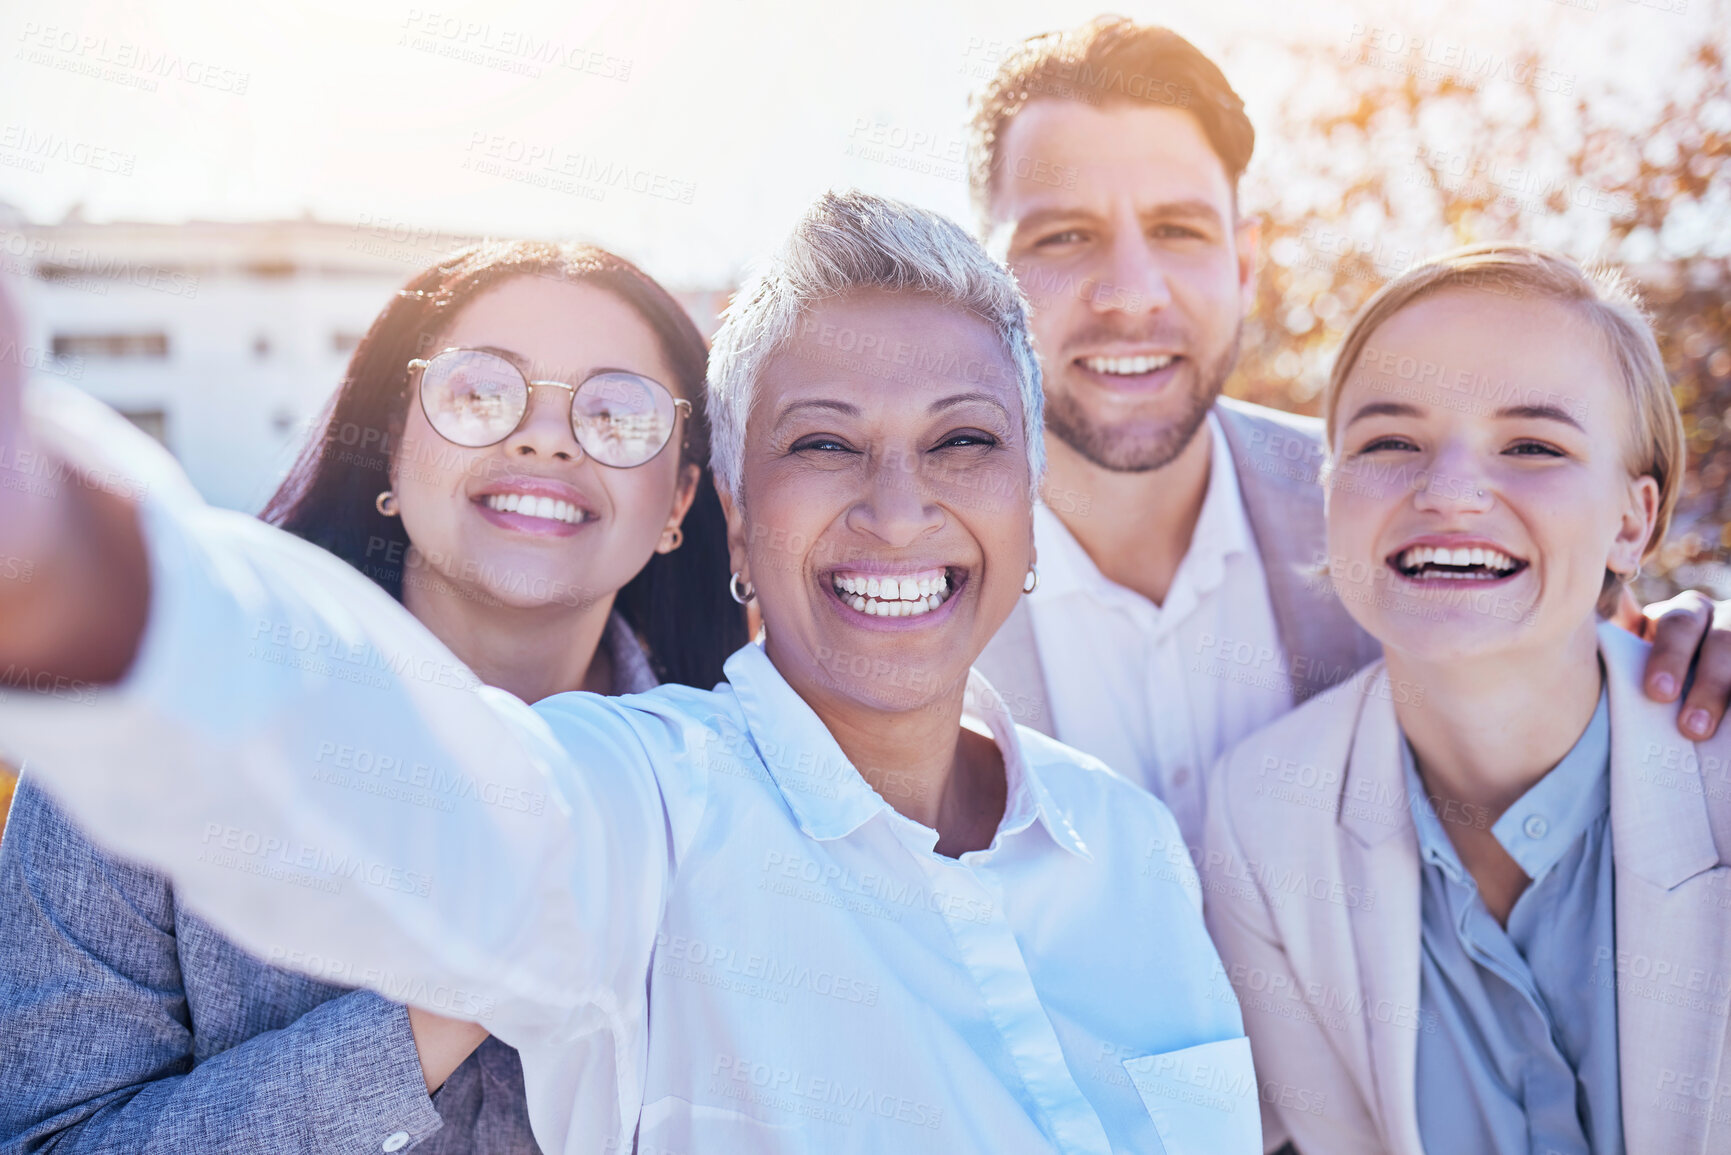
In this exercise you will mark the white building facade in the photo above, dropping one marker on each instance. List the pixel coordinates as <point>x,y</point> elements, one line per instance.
<point>223,340</point>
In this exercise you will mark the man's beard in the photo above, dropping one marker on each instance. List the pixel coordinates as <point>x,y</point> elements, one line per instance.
<point>1124,451</point>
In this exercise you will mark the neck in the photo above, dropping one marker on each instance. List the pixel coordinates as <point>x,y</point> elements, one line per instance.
<point>923,763</point>
<point>532,652</point>
<point>1135,526</point>
<point>1486,730</point>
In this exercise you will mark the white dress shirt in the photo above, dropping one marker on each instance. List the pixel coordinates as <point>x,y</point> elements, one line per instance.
<point>1159,692</point>
<point>699,925</point>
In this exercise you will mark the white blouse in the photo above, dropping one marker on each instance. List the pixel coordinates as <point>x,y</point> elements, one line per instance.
<point>699,925</point>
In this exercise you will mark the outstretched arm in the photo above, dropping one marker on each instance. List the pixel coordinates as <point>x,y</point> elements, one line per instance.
<point>315,772</point>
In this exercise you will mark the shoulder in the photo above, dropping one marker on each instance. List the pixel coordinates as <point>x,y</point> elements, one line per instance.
<point>47,857</point>
<point>1247,418</point>
<point>1307,747</point>
<point>1093,793</point>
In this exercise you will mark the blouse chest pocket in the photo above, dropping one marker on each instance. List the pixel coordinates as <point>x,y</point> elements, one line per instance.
<point>1203,1099</point>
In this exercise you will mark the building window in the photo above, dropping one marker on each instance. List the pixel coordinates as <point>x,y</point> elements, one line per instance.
<point>152,421</point>
<point>94,345</point>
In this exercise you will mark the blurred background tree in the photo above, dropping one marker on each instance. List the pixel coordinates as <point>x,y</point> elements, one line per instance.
<point>1392,148</point>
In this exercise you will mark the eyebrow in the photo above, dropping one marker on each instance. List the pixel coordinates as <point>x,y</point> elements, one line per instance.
<point>1544,412</point>
<point>1402,409</point>
<point>1382,409</point>
<point>849,409</point>
<point>955,399</point>
<point>1190,207</point>
<point>845,408</point>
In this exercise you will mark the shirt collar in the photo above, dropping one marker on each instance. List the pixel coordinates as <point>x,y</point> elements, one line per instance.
<point>827,795</point>
<point>1222,529</point>
<point>1557,809</point>
<point>1543,823</point>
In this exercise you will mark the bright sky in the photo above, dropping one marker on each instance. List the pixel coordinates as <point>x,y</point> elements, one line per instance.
<point>728,117</point>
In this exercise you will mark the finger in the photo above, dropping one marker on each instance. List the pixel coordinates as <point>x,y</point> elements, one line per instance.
<point>1705,706</point>
<point>1676,631</point>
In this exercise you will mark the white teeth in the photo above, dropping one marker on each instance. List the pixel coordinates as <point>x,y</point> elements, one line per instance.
<point>1126,366</point>
<point>892,597</point>
<point>1494,560</point>
<point>530,505</point>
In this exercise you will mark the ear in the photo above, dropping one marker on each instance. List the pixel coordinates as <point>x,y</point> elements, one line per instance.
<point>1247,240</point>
<point>735,514</point>
<point>684,494</point>
<point>1640,513</point>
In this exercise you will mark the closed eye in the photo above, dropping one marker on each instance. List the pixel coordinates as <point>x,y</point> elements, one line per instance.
<point>822,443</point>
<point>1384,443</point>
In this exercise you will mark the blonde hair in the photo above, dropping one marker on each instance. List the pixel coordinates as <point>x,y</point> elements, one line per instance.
<point>1602,296</point>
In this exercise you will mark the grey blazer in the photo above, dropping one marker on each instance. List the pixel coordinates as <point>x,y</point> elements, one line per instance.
<point>130,1026</point>
<point>1278,457</point>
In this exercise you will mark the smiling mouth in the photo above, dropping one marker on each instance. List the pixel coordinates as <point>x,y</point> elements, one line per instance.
<point>531,505</point>
<point>1475,563</point>
<point>1126,366</point>
<point>898,596</point>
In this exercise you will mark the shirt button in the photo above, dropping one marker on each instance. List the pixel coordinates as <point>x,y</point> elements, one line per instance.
<point>1181,777</point>
<point>1535,827</point>
<point>396,1141</point>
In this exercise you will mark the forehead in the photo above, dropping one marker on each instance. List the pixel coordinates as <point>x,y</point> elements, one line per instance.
<point>1471,352</point>
<point>894,352</point>
<point>1063,153</point>
<point>559,327</point>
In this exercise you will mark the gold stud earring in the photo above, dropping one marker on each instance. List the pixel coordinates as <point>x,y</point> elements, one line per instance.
<point>386,503</point>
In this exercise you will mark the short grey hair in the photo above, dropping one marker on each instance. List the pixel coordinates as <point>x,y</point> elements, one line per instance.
<point>849,241</point>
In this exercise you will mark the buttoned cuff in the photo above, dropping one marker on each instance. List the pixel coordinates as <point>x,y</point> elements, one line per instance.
<point>362,1074</point>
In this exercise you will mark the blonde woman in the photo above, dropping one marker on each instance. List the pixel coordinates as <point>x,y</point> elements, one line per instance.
<point>1474,900</point>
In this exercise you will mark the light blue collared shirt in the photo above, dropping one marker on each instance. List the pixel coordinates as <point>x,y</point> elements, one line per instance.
<point>699,924</point>
<point>1525,1060</point>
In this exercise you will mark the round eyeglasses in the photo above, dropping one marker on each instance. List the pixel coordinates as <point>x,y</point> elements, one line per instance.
<point>476,398</point>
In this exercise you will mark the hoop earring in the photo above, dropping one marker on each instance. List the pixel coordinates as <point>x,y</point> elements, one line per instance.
<point>733,588</point>
<point>676,537</point>
<point>1032,581</point>
<point>386,503</point>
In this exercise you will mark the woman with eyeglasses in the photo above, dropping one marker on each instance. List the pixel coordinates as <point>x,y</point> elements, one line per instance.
<point>516,454</point>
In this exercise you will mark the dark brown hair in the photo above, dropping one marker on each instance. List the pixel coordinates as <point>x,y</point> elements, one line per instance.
<point>678,603</point>
<point>1110,59</point>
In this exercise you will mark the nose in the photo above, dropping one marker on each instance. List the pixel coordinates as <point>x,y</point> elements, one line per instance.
<point>545,430</point>
<point>894,508</point>
<point>1452,482</point>
<point>1131,278</point>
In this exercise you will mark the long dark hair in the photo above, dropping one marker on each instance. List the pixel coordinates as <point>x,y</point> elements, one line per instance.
<point>678,604</point>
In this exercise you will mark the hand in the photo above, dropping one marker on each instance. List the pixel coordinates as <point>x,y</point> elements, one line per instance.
<point>74,576</point>
<point>443,1044</point>
<point>1689,630</point>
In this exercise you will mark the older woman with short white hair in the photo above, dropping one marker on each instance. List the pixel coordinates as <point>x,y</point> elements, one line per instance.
<point>838,903</point>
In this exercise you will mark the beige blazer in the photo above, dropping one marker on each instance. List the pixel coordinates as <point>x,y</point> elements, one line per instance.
<point>1311,885</point>
<point>1278,457</point>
